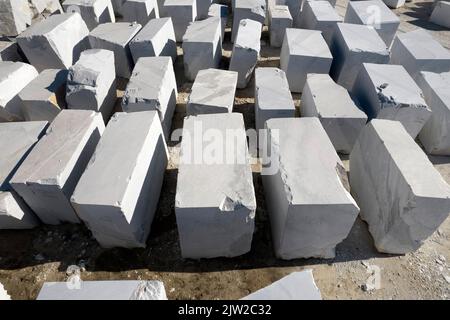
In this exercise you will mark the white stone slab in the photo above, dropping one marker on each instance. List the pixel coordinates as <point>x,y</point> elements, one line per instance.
<point>182,12</point>
<point>247,9</point>
<point>140,11</point>
<point>221,11</point>
<point>441,14</point>
<point>93,12</point>
<point>279,20</point>
<point>9,51</point>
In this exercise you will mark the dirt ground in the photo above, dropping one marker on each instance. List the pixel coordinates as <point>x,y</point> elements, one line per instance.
<point>29,258</point>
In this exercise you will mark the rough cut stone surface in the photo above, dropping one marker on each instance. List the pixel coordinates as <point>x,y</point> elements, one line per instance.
<point>374,13</point>
<point>303,52</point>
<point>394,4</point>
<point>272,96</point>
<point>140,11</point>
<point>93,12</point>
<point>182,12</point>
<point>435,135</point>
<point>15,17</point>
<point>152,86</point>
<point>216,218</point>
<point>17,139</point>
<point>14,76</point>
<point>388,92</point>
<point>9,51</point>
<point>403,198</point>
<point>91,83</point>
<point>247,9</point>
<point>212,92</point>
<point>45,96</point>
<point>48,176</point>
<point>279,20</point>
<point>221,11</point>
<point>104,290</point>
<point>441,14</point>
<point>56,42</point>
<point>246,51</point>
<point>202,46</point>
<point>352,46</point>
<point>157,38</point>
<point>418,51</point>
<point>310,210</point>
<point>118,193</point>
<point>116,37</point>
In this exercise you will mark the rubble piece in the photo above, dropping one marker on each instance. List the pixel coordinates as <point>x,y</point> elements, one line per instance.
<point>403,198</point>
<point>441,14</point>
<point>272,96</point>
<point>279,20</point>
<point>250,10</point>
<point>91,83</point>
<point>295,286</point>
<point>140,11</point>
<point>418,51</point>
<point>9,51</point>
<point>212,92</point>
<point>388,92</point>
<point>17,139</point>
<point>56,42</point>
<point>152,86</point>
<point>202,8</point>
<point>116,37</point>
<point>15,17</point>
<point>310,210</point>
<point>320,15</point>
<point>362,12</point>
<point>49,174</point>
<point>221,11</point>
<point>157,38</point>
<point>394,4</point>
<point>93,12</point>
<point>217,217</point>
<point>435,134</point>
<point>14,76</point>
<point>103,290</point>
<point>303,52</point>
<point>338,114</point>
<point>246,51</point>
<point>118,193</point>
<point>353,45</point>
<point>202,46</point>
<point>45,96</point>
<point>182,12</point>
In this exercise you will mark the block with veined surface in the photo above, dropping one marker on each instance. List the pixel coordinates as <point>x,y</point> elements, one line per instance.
<point>279,20</point>
<point>93,12</point>
<point>394,4</point>
<point>9,51</point>
<point>140,11</point>
<point>221,11</point>
<point>441,14</point>
<point>182,12</point>
<point>388,92</point>
<point>48,176</point>
<point>118,193</point>
<point>247,9</point>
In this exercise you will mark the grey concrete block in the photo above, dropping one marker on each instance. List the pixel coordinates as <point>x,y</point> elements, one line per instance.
<point>118,193</point>
<point>310,210</point>
<point>116,37</point>
<point>212,92</point>
<point>15,17</point>
<point>182,12</point>
<point>140,11</point>
<point>152,86</point>
<point>394,4</point>
<point>93,12</point>
<point>157,38</point>
<point>221,11</point>
<point>202,8</point>
<point>14,76</point>
<point>272,96</point>
<point>303,52</point>
<point>352,46</point>
<point>91,83</point>
<point>388,92</point>
<point>202,46</point>
<point>49,174</point>
<point>9,51</point>
<point>45,96</point>
<point>332,104</point>
<point>376,14</point>
<point>250,10</point>
<point>279,20</point>
<point>403,198</point>
<point>56,42</point>
<point>246,51</point>
<point>441,14</point>
<point>216,218</point>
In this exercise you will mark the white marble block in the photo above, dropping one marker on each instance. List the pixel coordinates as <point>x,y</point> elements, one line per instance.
<point>140,11</point>
<point>250,10</point>
<point>221,11</point>
<point>9,51</point>
<point>279,20</point>
<point>93,12</point>
<point>15,17</point>
<point>182,12</point>
<point>441,14</point>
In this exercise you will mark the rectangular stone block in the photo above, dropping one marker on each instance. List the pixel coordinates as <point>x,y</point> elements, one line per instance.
<point>221,11</point>
<point>216,218</point>
<point>338,114</point>
<point>403,198</point>
<point>157,38</point>
<point>202,46</point>
<point>394,4</point>
<point>140,11</point>
<point>118,193</point>
<point>56,42</point>
<point>272,96</point>
<point>279,20</point>
<point>441,14</point>
<point>250,10</point>
<point>182,12</point>
<point>212,92</point>
<point>116,37</point>
<point>91,83</point>
<point>303,52</point>
<point>49,174</point>
<point>388,92</point>
<point>93,12</point>
<point>246,51</point>
<point>352,46</point>
<point>152,86</point>
<point>202,8</point>
<point>15,17</point>
<point>45,96</point>
<point>294,8</point>
<point>9,51</point>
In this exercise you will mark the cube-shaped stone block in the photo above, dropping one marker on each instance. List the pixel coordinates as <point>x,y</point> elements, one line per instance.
<point>182,12</point>
<point>250,10</point>
<point>279,20</point>
<point>9,51</point>
<point>140,11</point>
<point>221,11</point>
<point>441,14</point>
<point>93,12</point>
<point>15,17</point>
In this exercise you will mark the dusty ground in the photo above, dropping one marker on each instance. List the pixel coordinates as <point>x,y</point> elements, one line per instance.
<point>28,258</point>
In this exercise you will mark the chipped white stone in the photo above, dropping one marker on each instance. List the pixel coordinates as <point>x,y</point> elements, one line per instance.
<point>247,9</point>
<point>93,12</point>
<point>15,17</point>
<point>182,12</point>
<point>140,11</point>
<point>279,20</point>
